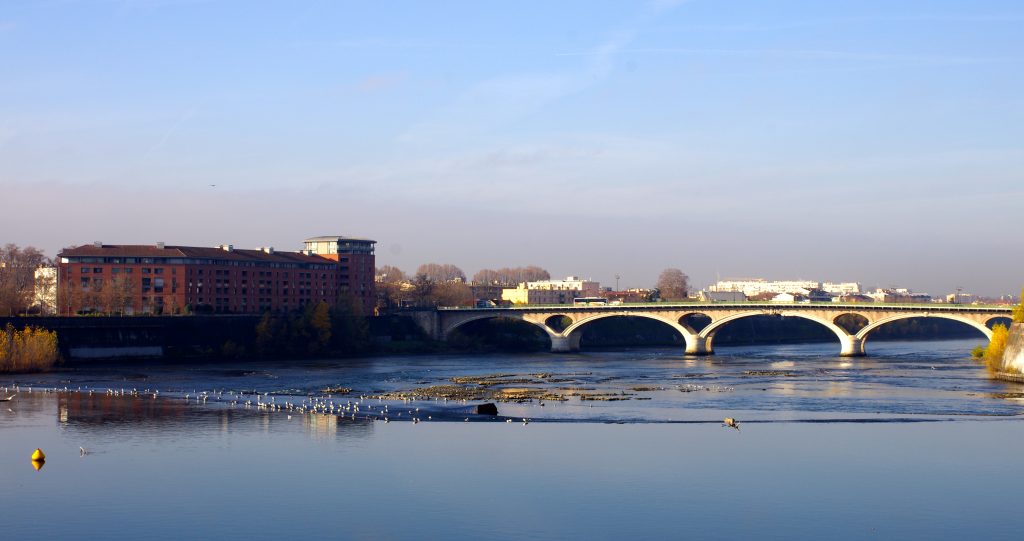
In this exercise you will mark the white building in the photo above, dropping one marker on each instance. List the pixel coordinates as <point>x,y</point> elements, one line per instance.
<point>588,288</point>
<point>841,288</point>
<point>961,298</point>
<point>899,295</point>
<point>757,286</point>
<point>552,291</point>
<point>45,296</point>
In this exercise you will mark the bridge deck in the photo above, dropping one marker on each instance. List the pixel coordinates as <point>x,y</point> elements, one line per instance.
<point>675,306</point>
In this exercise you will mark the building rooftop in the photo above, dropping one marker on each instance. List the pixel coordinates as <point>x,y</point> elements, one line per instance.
<point>337,238</point>
<point>224,253</point>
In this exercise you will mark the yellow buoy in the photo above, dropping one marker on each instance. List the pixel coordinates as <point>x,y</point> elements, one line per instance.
<point>38,454</point>
<point>38,464</point>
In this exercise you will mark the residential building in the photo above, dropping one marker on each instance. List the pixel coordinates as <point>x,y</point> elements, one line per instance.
<point>841,288</point>
<point>819,295</point>
<point>587,288</point>
<point>722,296</point>
<point>756,286</point>
<point>522,295</point>
<point>551,291</point>
<point>163,279</point>
<point>898,295</point>
<point>961,298</point>
<point>356,265</point>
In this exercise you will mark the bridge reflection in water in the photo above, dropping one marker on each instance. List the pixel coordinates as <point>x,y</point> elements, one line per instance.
<point>563,323</point>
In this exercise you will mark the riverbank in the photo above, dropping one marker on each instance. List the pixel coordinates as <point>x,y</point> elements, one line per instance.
<point>1013,356</point>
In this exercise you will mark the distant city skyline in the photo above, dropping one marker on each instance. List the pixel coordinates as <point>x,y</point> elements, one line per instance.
<point>866,141</point>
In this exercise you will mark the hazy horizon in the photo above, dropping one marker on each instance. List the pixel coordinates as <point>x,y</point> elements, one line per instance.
<point>837,141</point>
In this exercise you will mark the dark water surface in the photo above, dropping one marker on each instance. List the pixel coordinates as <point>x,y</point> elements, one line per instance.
<point>925,447</point>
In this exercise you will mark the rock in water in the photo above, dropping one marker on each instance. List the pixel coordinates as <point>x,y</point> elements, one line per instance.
<point>486,409</point>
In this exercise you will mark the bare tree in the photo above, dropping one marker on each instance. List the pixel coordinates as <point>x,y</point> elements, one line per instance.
<point>390,275</point>
<point>487,277</point>
<point>423,290</point>
<point>17,277</point>
<point>506,276</point>
<point>452,294</point>
<point>441,273</point>
<point>673,284</point>
<point>115,295</point>
<point>534,273</point>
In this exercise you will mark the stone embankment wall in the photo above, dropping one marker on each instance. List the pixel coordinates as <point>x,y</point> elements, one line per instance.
<point>95,337</point>
<point>1013,356</point>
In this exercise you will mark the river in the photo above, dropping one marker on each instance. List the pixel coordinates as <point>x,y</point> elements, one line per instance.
<point>913,441</point>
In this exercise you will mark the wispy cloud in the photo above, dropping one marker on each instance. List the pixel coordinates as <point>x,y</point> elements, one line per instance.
<point>171,129</point>
<point>809,54</point>
<point>502,99</point>
<point>380,82</point>
<point>995,18</point>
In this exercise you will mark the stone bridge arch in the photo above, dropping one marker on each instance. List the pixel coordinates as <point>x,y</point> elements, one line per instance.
<point>452,326</point>
<point>572,335</point>
<point>849,345</point>
<point>977,322</point>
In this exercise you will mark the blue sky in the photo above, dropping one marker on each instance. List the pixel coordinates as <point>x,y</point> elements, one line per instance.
<point>878,141</point>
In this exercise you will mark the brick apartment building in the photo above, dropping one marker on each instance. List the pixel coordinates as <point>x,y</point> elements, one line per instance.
<point>162,279</point>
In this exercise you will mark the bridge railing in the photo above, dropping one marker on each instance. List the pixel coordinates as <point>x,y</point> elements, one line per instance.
<point>744,304</point>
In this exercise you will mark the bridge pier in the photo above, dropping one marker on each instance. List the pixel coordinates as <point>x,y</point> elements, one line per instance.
<point>565,344</point>
<point>699,345</point>
<point>852,346</point>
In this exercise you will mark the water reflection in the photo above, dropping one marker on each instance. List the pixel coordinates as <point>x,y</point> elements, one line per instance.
<point>100,414</point>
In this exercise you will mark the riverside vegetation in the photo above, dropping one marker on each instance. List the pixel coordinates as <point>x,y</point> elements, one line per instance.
<point>992,354</point>
<point>30,349</point>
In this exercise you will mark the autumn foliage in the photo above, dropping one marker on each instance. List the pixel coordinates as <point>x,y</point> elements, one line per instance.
<point>28,350</point>
<point>992,354</point>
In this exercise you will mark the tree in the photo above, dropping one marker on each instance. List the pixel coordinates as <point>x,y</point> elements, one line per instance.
<point>673,284</point>
<point>511,277</point>
<point>17,277</point>
<point>422,290</point>
<point>533,273</point>
<point>452,294</point>
<point>441,273</point>
<point>351,332</point>
<point>390,275</point>
<point>993,355</point>
<point>115,295</point>
<point>69,297</point>
<point>320,326</point>
<point>487,277</point>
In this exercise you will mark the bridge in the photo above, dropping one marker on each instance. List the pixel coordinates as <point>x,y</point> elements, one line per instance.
<point>563,323</point>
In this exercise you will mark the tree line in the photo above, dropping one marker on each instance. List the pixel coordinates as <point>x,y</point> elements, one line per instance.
<point>444,284</point>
